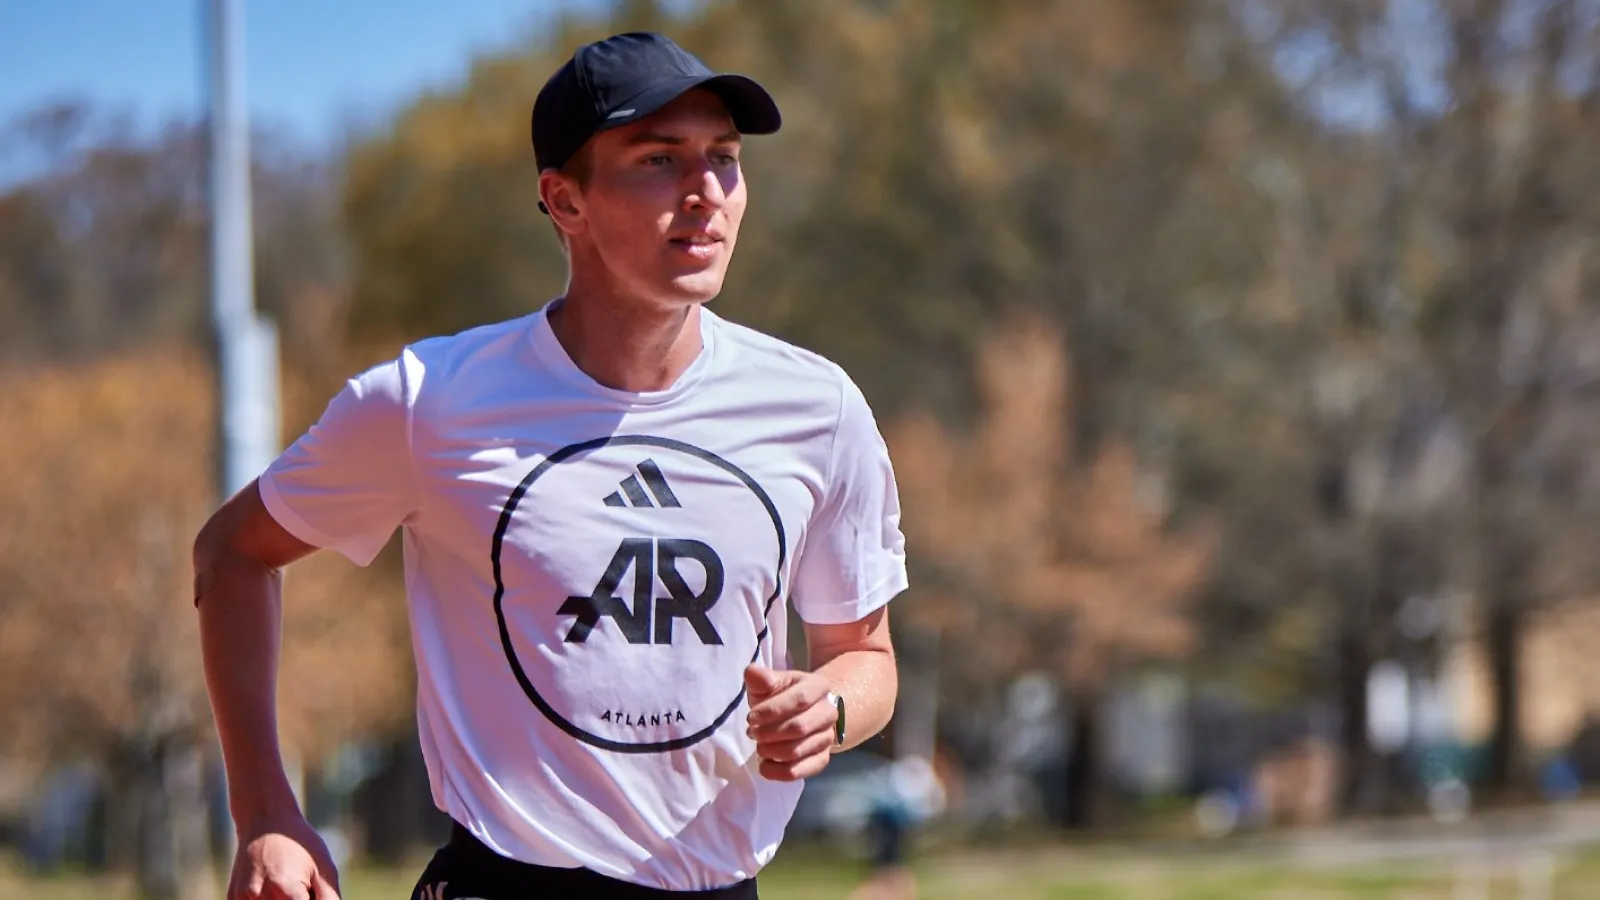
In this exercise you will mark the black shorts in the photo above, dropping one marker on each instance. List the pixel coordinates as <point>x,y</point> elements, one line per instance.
<point>464,868</point>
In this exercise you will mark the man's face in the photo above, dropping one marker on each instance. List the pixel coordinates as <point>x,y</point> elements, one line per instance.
<point>663,200</point>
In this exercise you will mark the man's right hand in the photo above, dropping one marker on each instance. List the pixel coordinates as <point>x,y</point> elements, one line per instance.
<point>286,861</point>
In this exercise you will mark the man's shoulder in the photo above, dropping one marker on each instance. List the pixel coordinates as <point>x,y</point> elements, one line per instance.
<point>799,366</point>
<point>426,366</point>
<point>439,358</point>
<point>443,352</point>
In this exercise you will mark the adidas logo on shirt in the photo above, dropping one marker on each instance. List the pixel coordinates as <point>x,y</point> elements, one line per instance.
<point>650,475</point>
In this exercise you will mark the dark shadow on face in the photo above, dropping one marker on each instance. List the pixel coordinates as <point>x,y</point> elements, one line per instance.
<point>663,203</point>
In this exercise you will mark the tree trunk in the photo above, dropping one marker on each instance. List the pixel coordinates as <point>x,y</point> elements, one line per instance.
<point>395,807</point>
<point>1357,598</point>
<point>159,824</point>
<point>916,719</point>
<point>1504,640</point>
<point>1355,666</point>
<point>381,805</point>
<point>1083,773</point>
<point>1508,558</point>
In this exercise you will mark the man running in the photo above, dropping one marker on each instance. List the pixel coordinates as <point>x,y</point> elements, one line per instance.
<point>607,507</point>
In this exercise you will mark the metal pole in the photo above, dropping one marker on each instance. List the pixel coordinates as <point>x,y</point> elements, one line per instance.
<point>245,349</point>
<point>1472,878</point>
<point>1537,876</point>
<point>246,345</point>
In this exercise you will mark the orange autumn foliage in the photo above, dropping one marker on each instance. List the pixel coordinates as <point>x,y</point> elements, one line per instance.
<point>1049,560</point>
<point>105,477</point>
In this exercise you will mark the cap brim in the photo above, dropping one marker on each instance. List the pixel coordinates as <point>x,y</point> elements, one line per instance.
<point>752,109</point>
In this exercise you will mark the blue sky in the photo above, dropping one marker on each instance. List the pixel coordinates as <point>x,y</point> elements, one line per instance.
<point>308,65</point>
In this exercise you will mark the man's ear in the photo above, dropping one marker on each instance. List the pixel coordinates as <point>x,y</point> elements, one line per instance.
<point>561,199</point>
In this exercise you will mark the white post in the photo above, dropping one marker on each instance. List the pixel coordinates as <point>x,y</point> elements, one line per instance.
<point>1537,875</point>
<point>1472,879</point>
<point>246,346</point>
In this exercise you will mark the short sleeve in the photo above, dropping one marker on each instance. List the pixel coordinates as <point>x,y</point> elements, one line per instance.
<point>349,481</point>
<point>853,558</point>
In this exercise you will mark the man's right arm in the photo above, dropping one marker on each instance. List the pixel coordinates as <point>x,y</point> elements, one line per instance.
<point>239,557</point>
<point>345,485</point>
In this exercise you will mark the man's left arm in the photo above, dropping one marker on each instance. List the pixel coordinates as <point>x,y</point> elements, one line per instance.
<point>791,718</point>
<point>853,563</point>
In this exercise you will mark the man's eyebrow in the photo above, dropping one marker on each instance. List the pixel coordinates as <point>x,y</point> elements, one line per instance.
<point>653,137</point>
<point>672,140</point>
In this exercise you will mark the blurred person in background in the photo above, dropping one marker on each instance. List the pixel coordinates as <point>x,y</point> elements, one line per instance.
<point>607,506</point>
<point>909,796</point>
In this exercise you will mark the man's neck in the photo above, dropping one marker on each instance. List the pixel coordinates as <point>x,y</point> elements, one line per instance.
<point>627,345</point>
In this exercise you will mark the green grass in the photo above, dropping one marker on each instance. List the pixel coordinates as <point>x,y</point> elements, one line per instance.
<point>1042,874</point>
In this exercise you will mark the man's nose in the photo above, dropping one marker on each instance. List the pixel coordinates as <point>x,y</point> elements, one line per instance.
<point>705,189</point>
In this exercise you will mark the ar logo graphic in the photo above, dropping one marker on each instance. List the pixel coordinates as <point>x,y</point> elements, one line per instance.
<point>682,618</point>
<point>649,620</point>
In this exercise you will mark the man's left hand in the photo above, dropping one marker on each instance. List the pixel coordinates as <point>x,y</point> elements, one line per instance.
<point>791,721</point>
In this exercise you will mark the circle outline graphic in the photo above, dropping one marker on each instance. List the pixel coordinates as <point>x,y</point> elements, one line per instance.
<point>510,508</point>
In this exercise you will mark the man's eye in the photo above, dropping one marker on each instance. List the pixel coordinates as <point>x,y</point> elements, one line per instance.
<point>727,159</point>
<point>660,159</point>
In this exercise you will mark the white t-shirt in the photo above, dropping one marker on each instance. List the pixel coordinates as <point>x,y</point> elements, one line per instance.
<point>589,572</point>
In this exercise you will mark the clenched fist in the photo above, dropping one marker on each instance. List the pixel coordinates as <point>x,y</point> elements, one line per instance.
<point>791,721</point>
<point>283,861</point>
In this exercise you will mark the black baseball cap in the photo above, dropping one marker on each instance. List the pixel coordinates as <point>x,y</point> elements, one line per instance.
<point>623,79</point>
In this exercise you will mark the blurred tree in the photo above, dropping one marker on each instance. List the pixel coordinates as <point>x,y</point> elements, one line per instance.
<point>105,248</point>
<point>1472,290</point>
<point>942,162</point>
<point>101,493</point>
<point>1034,558</point>
<point>1370,502</point>
<point>35,279</point>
